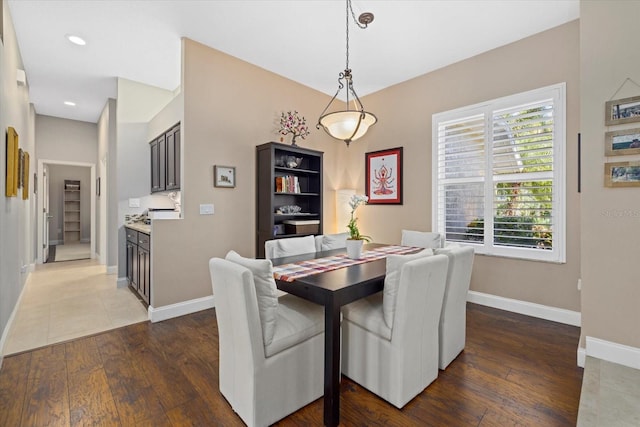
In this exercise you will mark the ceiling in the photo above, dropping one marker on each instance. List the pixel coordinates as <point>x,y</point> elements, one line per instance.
<point>303,40</point>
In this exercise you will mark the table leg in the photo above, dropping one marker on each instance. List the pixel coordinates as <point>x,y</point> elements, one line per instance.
<point>331,364</point>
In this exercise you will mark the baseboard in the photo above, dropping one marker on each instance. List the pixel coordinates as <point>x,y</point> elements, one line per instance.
<point>32,268</point>
<point>180,309</point>
<point>582,356</point>
<point>85,240</point>
<point>5,332</point>
<point>55,242</point>
<point>613,352</point>
<point>540,311</point>
<point>122,282</point>
<point>112,269</point>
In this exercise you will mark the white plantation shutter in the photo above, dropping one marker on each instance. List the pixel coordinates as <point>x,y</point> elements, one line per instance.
<point>499,175</point>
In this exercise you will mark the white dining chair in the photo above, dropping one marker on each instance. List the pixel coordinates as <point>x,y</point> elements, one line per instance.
<point>270,349</point>
<point>327,242</point>
<point>392,349</point>
<point>279,248</point>
<point>421,239</point>
<point>453,319</point>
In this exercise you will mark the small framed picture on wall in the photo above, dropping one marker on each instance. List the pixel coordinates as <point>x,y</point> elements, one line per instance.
<point>224,176</point>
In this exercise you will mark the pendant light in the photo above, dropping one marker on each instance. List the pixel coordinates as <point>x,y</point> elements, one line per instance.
<point>348,125</point>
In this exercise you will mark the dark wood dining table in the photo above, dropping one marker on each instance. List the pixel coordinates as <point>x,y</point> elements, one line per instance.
<point>333,289</point>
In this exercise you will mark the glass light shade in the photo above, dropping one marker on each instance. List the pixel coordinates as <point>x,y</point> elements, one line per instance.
<point>342,124</point>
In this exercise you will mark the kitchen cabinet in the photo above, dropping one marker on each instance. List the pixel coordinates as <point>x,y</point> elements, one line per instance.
<point>288,187</point>
<point>139,263</point>
<point>165,160</point>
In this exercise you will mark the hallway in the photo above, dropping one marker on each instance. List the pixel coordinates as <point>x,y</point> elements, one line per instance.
<point>67,300</point>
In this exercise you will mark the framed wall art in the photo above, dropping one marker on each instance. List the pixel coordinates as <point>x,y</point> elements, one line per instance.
<point>13,160</point>
<point>622,174</point>
<point>25,176</point>
<point>383,176</point>
<point>620,111</point>
<point>224,176</point>
<point>622,142</point>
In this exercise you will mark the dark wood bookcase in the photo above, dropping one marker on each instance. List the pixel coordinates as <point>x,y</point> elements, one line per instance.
<point>276,161</point>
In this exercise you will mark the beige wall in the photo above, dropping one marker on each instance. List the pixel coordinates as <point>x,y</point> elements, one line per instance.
<point>610,216</point>
<point>66,140</point>
<point>230,107</point>
<point>404,112</point>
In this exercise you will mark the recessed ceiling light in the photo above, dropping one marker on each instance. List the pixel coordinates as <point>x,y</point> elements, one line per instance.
<point>76,40</point>
<point>70,103</point>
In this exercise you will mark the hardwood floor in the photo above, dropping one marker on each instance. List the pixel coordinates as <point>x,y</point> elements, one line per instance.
<point>515,370</point>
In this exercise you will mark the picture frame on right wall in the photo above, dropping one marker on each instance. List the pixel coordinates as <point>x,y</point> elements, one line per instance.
<point>622,142</point>
<point>621,111</point>
<point>622,174</point>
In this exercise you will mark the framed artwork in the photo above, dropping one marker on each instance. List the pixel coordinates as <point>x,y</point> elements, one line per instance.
<point>25,176</point>
<point>13,160</point>
<point>383,176</point>
<point>622,142</point>
<point>622,174</point>
<point>620,111</point>
<point>224,176</point>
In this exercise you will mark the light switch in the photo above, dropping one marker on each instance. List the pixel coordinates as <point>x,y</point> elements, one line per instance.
<point>206,209</point>
<point>134,203</point>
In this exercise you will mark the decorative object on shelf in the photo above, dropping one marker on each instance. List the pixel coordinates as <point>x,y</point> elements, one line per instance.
<point>348,125</point>
<point>355,240</point>
<point>289,209</point>
<point>293,162</point>
<point>224,176</point>
<point>622,142</point>
<point>383,176</point>
<point>292,123</point>
<point>622,174</point>
<point>12,163</point>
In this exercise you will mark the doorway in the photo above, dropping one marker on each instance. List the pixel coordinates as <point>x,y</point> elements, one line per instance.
<point>67,219</point>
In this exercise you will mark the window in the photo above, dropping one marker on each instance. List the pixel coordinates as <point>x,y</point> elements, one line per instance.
<point>498,175</point>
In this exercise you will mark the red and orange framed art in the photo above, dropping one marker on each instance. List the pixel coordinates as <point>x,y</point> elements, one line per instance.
<point>384,176</point>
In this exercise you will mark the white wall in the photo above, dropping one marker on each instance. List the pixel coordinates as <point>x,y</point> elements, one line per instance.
<point>16,250</point>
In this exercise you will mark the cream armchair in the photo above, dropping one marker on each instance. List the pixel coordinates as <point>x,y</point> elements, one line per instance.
<point>453,320</point>
<point>393,351</point>
<point>271,350</point>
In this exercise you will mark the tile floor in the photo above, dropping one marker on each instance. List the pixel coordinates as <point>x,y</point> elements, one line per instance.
<point>67,300</point>
<point>610,395</point>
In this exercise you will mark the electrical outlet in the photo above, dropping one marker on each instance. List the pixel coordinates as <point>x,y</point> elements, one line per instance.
<point>206,209</point>
<point>579,284</point>
<point>134,203</point>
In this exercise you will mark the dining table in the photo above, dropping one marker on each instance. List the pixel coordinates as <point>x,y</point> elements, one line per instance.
<point>332,288</point>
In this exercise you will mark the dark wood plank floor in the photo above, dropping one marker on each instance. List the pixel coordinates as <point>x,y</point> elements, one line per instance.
<point>515,370</point>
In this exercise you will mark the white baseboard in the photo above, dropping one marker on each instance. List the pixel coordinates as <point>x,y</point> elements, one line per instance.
<point>122,282</point>
<point>112,269</point>
<point>582,356</point>
<point>613,352</point>
<point>55,242</point>
<point>85,240</point>
<point>540,311</point>
<point>180,309</point>
<point>5,332</point>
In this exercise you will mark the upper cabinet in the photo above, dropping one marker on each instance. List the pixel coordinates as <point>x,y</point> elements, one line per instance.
<point>165,160</point>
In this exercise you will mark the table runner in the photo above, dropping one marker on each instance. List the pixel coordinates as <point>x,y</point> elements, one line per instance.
<point>297,270</point>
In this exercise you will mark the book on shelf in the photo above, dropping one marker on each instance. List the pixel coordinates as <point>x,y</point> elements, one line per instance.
<point>287,184</point>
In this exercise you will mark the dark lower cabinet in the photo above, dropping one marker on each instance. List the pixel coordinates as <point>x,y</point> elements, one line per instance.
<point>139,263</point>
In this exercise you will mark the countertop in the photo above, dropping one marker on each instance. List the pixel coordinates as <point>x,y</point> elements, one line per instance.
<point>138,226</point>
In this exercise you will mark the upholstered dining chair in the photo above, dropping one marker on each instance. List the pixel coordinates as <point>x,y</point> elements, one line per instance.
<point>279,248</point>
<point>453,319</point>
<point>327,242</point>
<point>270,349</point>
<point>390,339</point>
<point>421,239</point>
